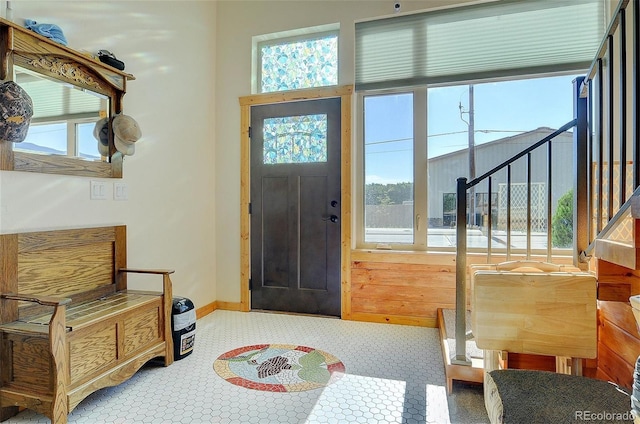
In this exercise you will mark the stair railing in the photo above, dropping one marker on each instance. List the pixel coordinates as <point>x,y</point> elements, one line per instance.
<point>614,152</point>
<point>597,204</point>
<point>580,207</point>
<point>463,188</point>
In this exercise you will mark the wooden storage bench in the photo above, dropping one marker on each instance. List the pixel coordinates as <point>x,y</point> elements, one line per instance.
<point>68,324</point>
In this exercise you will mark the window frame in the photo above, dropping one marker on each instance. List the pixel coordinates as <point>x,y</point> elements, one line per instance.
<point>420,162</point>
<point>419,172</point>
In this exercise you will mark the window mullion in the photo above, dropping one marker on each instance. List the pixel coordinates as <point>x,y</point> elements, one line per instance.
<point>421,219</point>
<point>358,193</point>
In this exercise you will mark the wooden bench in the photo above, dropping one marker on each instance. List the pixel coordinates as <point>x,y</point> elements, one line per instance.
<point>68,324</point>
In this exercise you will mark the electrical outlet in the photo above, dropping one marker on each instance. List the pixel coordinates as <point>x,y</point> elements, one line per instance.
<point>98,190</point>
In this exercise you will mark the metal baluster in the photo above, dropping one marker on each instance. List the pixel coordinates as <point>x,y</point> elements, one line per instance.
<point>509,212</point>
<point>529,205</point>
<point>600,137</point>
<point>623,107</point>
<point>610,118</point>
<point>549,202</point>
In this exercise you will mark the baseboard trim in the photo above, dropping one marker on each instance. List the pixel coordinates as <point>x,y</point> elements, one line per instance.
<point>393,319</point>
<point>225,306</point>
<point>229,306</point>
<point>205,310</point>
<point>357,316</point>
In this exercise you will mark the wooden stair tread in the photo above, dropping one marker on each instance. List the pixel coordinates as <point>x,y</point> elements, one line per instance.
<point>619,253</point>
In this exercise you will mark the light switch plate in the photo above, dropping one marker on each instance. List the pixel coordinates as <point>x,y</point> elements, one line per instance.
<point>98,190</point>
<point>120,191</point>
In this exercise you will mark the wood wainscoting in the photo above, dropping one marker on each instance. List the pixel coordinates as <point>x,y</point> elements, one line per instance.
<point>402,287</point>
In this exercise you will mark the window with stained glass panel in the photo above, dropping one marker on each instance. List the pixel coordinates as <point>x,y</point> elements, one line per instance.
<point>302,63</point>
<point>295,139</point>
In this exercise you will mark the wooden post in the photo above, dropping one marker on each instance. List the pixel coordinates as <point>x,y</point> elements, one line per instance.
<point>61,373</point>
<point>168,306</point>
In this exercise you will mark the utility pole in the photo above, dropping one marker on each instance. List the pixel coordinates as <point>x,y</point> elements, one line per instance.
<point>472,156</point>
<point>472,159</point>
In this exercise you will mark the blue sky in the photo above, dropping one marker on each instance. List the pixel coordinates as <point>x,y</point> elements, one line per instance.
<point>502,109</point>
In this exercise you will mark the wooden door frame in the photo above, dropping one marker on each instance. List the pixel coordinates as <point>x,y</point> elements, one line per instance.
<point>345,92</point>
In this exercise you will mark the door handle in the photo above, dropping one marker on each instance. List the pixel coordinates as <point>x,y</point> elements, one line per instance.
<point>332,218</point>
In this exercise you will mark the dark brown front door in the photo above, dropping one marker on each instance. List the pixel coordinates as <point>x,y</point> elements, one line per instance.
<point>295,207</point>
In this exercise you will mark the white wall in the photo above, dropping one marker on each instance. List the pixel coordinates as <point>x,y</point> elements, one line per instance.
<point>192,61</point>
<point>238,22</point>
<point>170,49</point>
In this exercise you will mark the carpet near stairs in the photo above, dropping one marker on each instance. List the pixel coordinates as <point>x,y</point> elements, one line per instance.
<point>541,397</point>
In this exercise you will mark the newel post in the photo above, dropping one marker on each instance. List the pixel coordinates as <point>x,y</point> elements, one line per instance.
<point>461,272</point>
<point>580,175</point>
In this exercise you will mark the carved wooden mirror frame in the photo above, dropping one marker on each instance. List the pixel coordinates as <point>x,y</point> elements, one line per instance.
<point>22,47</point>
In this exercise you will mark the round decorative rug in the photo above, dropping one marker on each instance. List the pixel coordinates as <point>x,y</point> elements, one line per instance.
<point>279,367</point>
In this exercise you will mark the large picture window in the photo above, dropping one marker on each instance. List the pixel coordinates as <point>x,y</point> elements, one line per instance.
<point>454,92</point>
<point>409,184</point>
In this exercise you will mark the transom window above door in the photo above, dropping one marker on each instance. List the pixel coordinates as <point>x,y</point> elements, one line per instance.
<point>297,61</point>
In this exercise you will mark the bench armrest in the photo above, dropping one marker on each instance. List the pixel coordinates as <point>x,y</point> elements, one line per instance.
<point>166,280</point>
<point>42,300</point>
<point>147,271</point>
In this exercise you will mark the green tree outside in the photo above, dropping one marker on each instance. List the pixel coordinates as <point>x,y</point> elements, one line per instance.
<point>562,223</point>
<point>388,194</point>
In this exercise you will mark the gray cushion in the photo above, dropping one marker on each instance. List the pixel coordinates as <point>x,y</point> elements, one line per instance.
<point>548,397</point>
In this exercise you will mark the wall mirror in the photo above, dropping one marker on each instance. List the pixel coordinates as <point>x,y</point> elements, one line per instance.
<point>70,92</point>
<point>64,117</point>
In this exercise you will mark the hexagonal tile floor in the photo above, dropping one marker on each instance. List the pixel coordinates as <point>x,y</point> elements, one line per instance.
<point>394,374</point>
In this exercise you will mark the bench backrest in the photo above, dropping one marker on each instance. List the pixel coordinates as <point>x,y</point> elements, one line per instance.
<point>80,264</point>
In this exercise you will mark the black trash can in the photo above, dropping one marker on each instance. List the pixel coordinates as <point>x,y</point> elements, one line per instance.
<point>183,322</point>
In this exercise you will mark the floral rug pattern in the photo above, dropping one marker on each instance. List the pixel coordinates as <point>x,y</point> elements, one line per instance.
<point>279,367</point>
